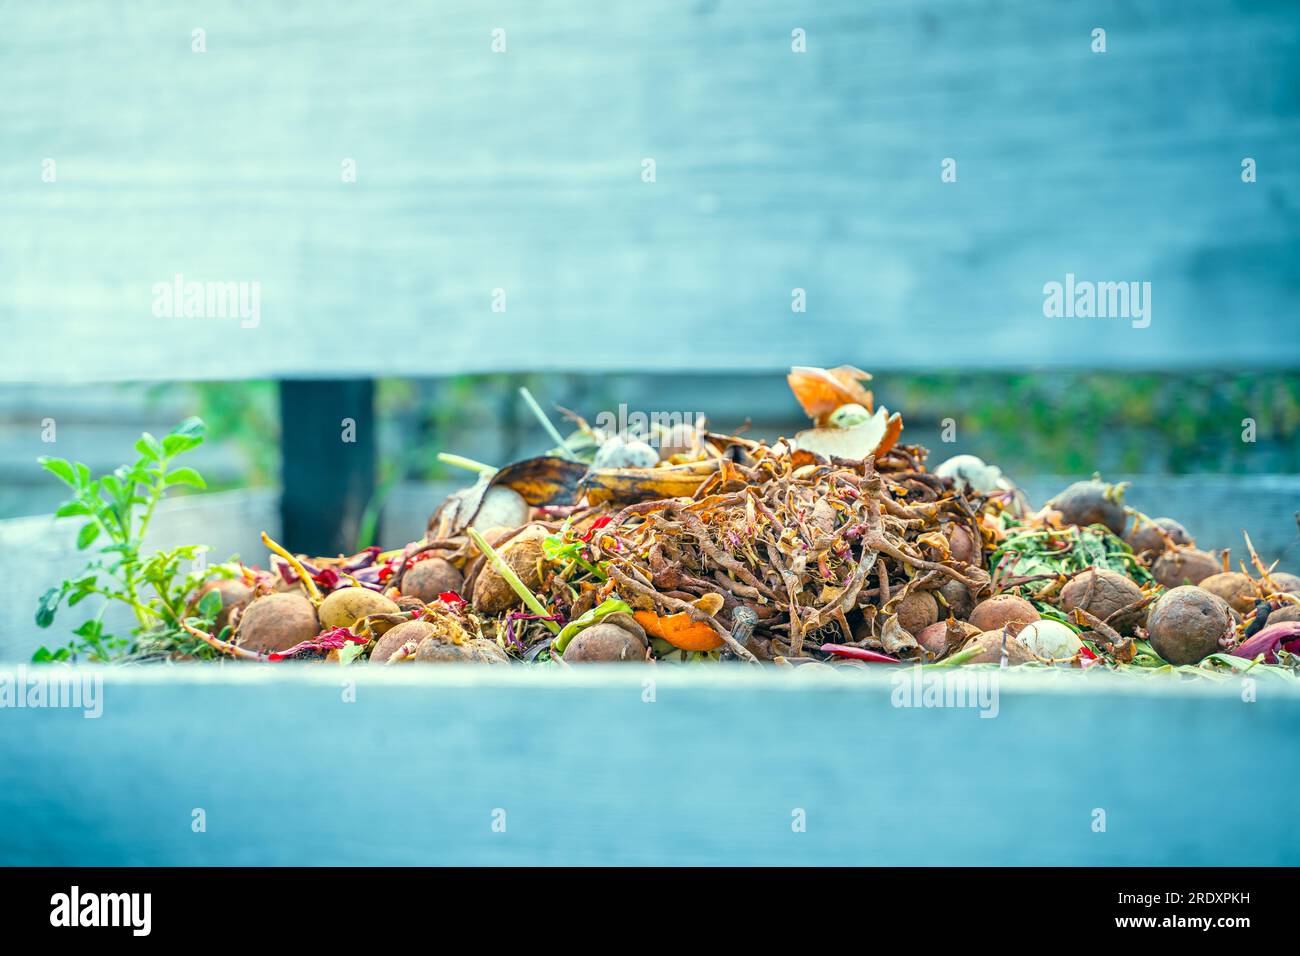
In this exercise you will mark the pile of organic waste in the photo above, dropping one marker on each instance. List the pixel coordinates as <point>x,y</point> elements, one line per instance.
<point>835,549</point>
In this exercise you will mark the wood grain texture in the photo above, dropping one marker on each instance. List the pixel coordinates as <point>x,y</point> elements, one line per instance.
<point>589,773</point>
<point>521,171</point>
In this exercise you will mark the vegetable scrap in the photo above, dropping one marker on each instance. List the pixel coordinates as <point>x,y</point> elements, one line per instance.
<point>838,548</point>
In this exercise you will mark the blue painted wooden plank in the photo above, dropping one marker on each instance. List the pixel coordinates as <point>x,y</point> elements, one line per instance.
<point>716,769</point>
<point>522,171</point>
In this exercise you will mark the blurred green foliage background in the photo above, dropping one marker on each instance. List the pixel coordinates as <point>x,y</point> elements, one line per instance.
<point>1049,423</point>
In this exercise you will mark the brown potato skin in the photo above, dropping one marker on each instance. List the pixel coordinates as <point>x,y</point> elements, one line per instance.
<point>1289,613</point>
<point>1084,503</point>
<point>960,600</point>
<point>428,578</point>
<point>476,650</point>
<point>1285,583</point>
<point>344,607</point>
<point>1145,539</point>
<point>1000,610</point>
<point>235,595</point>
<point>1186,623</point>
<point>492,595</point>
<point>398,635</point>
<point>1234,587</point>
<point>605,643</point>
<point>917,611</point>
<point>1185,566</point>
<point>961,545</point>
<point>990,645</point>
<point>276,622</point>
<point>1110,592</point>
<point>935,637</point>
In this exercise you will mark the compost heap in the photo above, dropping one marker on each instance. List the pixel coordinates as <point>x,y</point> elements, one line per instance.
<point>837,548</point>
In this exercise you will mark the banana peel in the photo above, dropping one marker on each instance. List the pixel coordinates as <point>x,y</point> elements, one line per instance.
<point>625,486</point>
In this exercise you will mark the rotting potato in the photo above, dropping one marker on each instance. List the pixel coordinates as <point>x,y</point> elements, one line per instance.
<point>1289,613</point>
<point>1147,538</point>
<point>407,602</point>
<point>428,578</point>
<point>235,596</point>
<point>1186,624</point>
<point>961,544</point>
<point>935,637</point>
<point>1101,593</point>
<point>605,642</point>
<point>917,611</point>
<point>1283,583</point>
<point>344,607</point>
<point>1234,587</point>
<point>1185,566</point>
<point>492,593</point>
<point>477,650</point>
<point>958,599</point>
<point>1091,502</point>
<point>276,622</point>
<point>395,637</point>
<point>1002,609</point>
<point>990,645</point>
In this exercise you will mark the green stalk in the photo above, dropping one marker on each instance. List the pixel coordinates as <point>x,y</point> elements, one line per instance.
<point>546,423</point>
<point>512,579</point>
<point>469,464</point>
<point>961,657</point>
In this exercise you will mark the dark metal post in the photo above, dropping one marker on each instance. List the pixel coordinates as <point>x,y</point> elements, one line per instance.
<point>327,441</point>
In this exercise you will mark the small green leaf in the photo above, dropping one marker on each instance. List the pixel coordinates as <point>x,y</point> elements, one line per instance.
<point>87,535</point>
<point>48,604</point>
<point>210,605</point>
<point>60,468</point>
<point>185,476</point>
<point>72,509</point>
<point>192,427</point>
<point>606,607</point>
<point>148,447</point>
<point>350,652</point>
<point>111,485</point>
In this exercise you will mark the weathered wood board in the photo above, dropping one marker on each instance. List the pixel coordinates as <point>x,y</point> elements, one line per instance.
<point>522,171</point>
<point>584,768</point>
